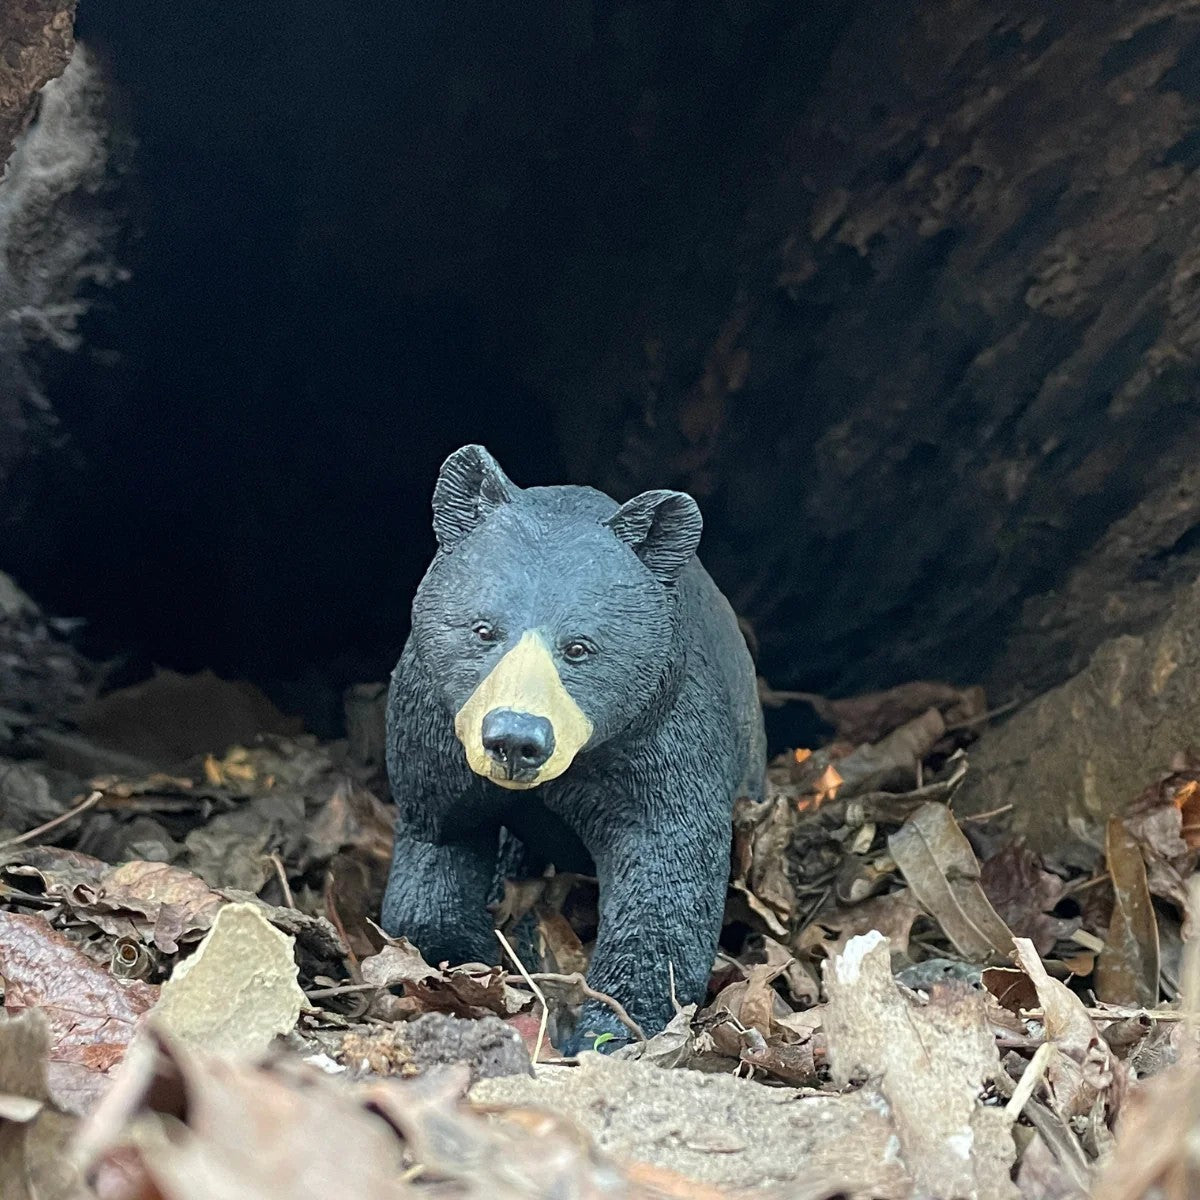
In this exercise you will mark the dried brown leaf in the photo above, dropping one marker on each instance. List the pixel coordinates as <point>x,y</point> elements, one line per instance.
<point>943,874</point>
<point>1127,969</point>
<point>892,915</point>
<point>762,837</point>
<point>872,716</point>
<point>1085,1074</point>
<point>1157,1139</point>
<point>891,763</point>
<point>1024,895</point>
<point>351,819</point>
<point>91,1016</point>
<point>465,991</point>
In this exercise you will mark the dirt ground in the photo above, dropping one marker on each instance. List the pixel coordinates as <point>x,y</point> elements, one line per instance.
<point>910,1000</point>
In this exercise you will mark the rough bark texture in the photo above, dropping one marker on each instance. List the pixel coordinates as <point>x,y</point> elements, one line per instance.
<point>1085,750</point>
<point>56,232</point>
<point>960,342</point>
<point>36,39</point>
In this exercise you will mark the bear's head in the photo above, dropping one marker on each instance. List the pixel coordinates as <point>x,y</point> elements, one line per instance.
<point>547,618</point>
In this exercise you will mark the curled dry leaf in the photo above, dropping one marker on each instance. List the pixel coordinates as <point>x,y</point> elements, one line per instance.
<point>872,716</point>
<point>466,991</point>
<point>1085,1074</point>
<point>1127,969</point>
<point>1024,894</point>
<point>91,1016</point>
<point>1165,821</point>
<point>891,763</point>
<point>943,874</point>
<point>892,915</point>
<point>762,838</point>
<point>1158,1137</point>
<point>282,1130</point>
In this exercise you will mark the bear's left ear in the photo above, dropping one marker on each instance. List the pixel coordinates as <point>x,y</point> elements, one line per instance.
<point>662,529</point>
<point>469,486</point>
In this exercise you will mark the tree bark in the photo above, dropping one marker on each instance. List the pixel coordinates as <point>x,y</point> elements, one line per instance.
<point>36,40</point>
<point>953,392</point>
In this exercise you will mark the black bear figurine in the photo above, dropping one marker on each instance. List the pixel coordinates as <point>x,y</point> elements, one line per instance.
<point>573,676</point>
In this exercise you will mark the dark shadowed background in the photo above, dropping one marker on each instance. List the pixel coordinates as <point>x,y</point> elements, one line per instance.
<point>904,292</point>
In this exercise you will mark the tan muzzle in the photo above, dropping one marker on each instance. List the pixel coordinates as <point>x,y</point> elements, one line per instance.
<point>525,680</point>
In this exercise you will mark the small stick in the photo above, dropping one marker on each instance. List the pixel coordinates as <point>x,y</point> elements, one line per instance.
<point>1029,1080</point>
<point>342,989</point>
<point>986,816</point>
<point>575,979</point>
<point>537,991</point>
<point>671,979</point>
<point>61,819</point>
<point>288,898</point>
<point>1115,1014</point>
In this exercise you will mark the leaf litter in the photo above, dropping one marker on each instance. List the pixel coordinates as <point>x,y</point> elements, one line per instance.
<point>905,1003</point>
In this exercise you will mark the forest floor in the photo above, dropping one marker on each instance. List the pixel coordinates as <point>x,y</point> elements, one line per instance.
<point>907,1002</point>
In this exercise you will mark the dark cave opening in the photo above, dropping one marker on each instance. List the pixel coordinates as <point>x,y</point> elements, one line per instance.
<point>913,367</point>
<point>342,238</point>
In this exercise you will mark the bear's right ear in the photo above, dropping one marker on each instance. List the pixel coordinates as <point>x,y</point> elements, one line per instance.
<point>662,529</point>
<point>469,486</point>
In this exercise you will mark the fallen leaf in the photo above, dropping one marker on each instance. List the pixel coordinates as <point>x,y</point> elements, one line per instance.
<point>943,874</point>
<point>1024,894</point>
<point>171,717</point>
<point>762,837</point>
<point>891,763</point>
<point>351,819</point>
<point>1127,969</point>
<point>872,716</point>
<point>1085,1072</point>
<point>1157,1138</point>
<point>91,1016</point>
<point>892,915</point>
<point>238,990</point>
<point>561,950</point>
<point>466,991</point>
<point>1013,989</point>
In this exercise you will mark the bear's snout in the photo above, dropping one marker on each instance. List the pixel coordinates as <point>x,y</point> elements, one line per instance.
<point>520,727</point>
<point>518,742</point>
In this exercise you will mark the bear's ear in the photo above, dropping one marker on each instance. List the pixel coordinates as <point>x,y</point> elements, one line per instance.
<point>469,486</point>
<point>662,529</point>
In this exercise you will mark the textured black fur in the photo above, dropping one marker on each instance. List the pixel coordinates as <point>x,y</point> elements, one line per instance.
<point>670,691</point>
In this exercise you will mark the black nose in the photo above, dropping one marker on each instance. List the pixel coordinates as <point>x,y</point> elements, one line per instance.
<point>519,742</point>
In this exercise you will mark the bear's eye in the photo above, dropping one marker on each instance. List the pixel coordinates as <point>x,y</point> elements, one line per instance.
<point>577,650</point>
<point>484,632</point>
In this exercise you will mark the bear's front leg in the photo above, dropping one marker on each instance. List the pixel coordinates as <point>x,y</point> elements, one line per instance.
<point>437,897</point>
<point>662,897</point>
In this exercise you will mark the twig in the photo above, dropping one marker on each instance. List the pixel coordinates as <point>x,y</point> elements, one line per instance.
<point>1115,1014</point>
<point>537,991</point>
<point>671,980</point>
<point>1029,1080</point>
<point>61,819</point>
<point>986,816</point>
<point>341,990</point>
<point>1083,885</point>
<point>288,899</point>
<point>576,980</point>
